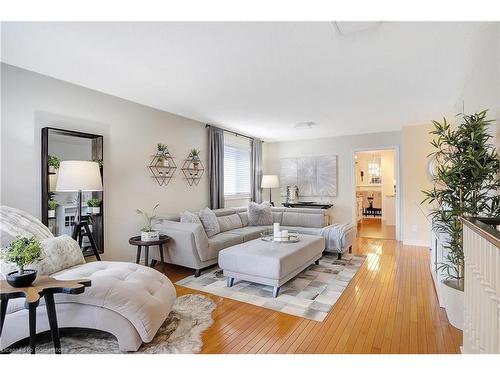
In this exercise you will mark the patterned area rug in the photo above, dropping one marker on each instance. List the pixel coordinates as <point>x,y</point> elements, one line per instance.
<point>311,294</point>
<point>180,333</point>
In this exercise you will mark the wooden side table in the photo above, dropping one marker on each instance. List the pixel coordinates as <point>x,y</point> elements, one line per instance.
<point>46,287</point>
<point>136,241</point>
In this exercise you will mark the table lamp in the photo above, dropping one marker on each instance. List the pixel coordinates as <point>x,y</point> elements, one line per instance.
<point>79,175</point>
<point>270,181</point>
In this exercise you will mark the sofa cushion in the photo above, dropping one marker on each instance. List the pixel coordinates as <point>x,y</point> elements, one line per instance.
<point>209,221</point>
<point>243,217</point>
<point>260,214</point>
<point>57,253</point>
<point>249,233</point>
<point>298,219</point>
<point>229,222</point>
<point>189,217</point>
<point>221,241</point>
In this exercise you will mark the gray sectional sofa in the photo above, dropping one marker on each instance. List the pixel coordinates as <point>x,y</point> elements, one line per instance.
<point>190,246</point>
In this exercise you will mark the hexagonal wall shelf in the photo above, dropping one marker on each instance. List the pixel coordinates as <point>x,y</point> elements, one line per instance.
<point>162,167</point>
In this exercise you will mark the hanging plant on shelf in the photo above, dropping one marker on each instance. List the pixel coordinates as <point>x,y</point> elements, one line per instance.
<point>194,155</point>
<point>465,185</point>
<point>162,165</point>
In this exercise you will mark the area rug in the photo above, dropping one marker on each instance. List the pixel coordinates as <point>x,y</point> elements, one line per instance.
<point>311,294</point>
<point>180,333</point>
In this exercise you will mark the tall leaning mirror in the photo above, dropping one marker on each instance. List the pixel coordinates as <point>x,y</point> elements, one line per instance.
<point>60,206</point>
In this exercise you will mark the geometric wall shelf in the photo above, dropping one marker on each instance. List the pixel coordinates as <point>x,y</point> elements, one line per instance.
<point>193,169</point>
<point>162,167</point>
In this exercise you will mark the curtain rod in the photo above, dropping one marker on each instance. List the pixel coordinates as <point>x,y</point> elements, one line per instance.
<point>234,133</point>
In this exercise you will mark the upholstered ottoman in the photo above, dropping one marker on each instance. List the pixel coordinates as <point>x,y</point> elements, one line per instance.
<point>270,263</point>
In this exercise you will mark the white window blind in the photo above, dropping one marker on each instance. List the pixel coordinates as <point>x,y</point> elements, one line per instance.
<point>237,157</point>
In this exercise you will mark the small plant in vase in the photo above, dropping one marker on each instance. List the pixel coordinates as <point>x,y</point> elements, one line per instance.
<point>194,155</point>
<point>162,155</point>
<point>147,232</point>
<point>22,252</point>
<point>54,163</point>
<point>52,205</point>
<point>94,206</point>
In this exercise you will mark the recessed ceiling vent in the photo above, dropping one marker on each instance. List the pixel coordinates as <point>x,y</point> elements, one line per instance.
<point>305,125</point>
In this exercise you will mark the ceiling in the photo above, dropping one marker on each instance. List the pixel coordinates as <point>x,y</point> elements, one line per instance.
<point>263,78</point>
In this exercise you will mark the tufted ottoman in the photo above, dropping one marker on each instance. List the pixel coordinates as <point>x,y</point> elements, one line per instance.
<point>127,300</point>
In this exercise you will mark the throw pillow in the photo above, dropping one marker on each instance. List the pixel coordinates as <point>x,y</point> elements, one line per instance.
<point>260,214</point>
<point>209,221</point>
<point>57,254</point>
<point>229,222</point>
<point>189,217</point>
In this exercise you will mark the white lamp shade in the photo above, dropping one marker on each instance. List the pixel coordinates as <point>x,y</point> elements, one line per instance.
<point>74,175</point>
<point>270,181</point>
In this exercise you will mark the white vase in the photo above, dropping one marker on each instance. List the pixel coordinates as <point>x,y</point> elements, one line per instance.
<point>52,214</point>
<point>95,210</point>
<point>453,301</point>
<point>150,236</point>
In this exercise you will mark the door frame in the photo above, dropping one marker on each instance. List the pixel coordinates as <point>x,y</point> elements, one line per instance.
<point>394,148</point>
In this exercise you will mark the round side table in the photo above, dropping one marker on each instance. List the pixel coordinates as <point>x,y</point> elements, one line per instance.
<point>136,241</point>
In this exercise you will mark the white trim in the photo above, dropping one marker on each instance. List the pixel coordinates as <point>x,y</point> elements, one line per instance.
<point>423,243</point>
<point>397,160</point>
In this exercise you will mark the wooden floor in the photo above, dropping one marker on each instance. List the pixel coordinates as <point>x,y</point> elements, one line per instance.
<point>389,307</point>
<point>375,228</point>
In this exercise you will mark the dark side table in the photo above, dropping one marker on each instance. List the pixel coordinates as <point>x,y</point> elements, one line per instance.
<point>136,241</point>
<point>46,287</point>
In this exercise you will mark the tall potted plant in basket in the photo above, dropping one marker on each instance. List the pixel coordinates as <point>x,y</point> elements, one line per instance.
<point>465,185</point>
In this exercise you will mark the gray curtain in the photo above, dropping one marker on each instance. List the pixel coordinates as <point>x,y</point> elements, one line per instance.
<point>216,167</point>
<point>256,170</point>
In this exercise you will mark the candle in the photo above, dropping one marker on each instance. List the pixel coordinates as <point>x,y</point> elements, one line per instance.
<point>276,230</point>
<point>284,234</point>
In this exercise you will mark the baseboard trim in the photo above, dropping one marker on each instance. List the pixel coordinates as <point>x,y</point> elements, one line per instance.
<point>422,243</point>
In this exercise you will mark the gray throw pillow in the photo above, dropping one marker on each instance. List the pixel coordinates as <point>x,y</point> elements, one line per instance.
<point>229,222</point>
<point>209,221</point>
<point>260,214</point>
<point>189,217</point>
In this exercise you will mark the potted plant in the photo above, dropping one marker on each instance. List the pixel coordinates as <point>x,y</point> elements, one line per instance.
<point>22,252</point>
<point>465,184</point>
<point>93,206</point>
<point>162,155</point>
<point>54,163</point>
<point>147,232</point>
<point>194,155</point>
<point>52,205</point>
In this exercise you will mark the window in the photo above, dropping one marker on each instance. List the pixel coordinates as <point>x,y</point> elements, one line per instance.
<point>237,158</point>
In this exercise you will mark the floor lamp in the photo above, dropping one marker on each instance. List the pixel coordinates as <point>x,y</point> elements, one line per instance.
<point>77,175</point>
<point>270,181</point>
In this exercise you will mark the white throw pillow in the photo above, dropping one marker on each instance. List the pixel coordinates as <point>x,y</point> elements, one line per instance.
<point>209,221</point>
<point>57,254</point>
<point>260,214</point>
<point>229,222</point>
<point>189,217</point>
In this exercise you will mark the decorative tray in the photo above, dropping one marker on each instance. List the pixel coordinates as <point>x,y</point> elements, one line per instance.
<point>290,237</point>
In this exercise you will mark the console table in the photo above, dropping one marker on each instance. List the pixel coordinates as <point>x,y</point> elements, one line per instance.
<point>319,205</point>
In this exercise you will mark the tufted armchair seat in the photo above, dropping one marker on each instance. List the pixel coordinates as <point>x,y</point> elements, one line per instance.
<point>128,300</point>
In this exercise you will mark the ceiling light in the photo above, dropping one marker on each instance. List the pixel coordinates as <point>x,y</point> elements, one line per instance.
<point>305,125</point>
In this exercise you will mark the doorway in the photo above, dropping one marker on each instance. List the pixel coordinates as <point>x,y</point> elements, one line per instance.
<point>375,193</point>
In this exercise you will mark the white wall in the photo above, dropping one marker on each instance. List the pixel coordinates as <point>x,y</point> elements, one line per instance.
<point>341,146</point>
<point>31,101</point>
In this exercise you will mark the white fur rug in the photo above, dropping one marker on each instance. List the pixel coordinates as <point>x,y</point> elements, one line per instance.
<point>180,333</point>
